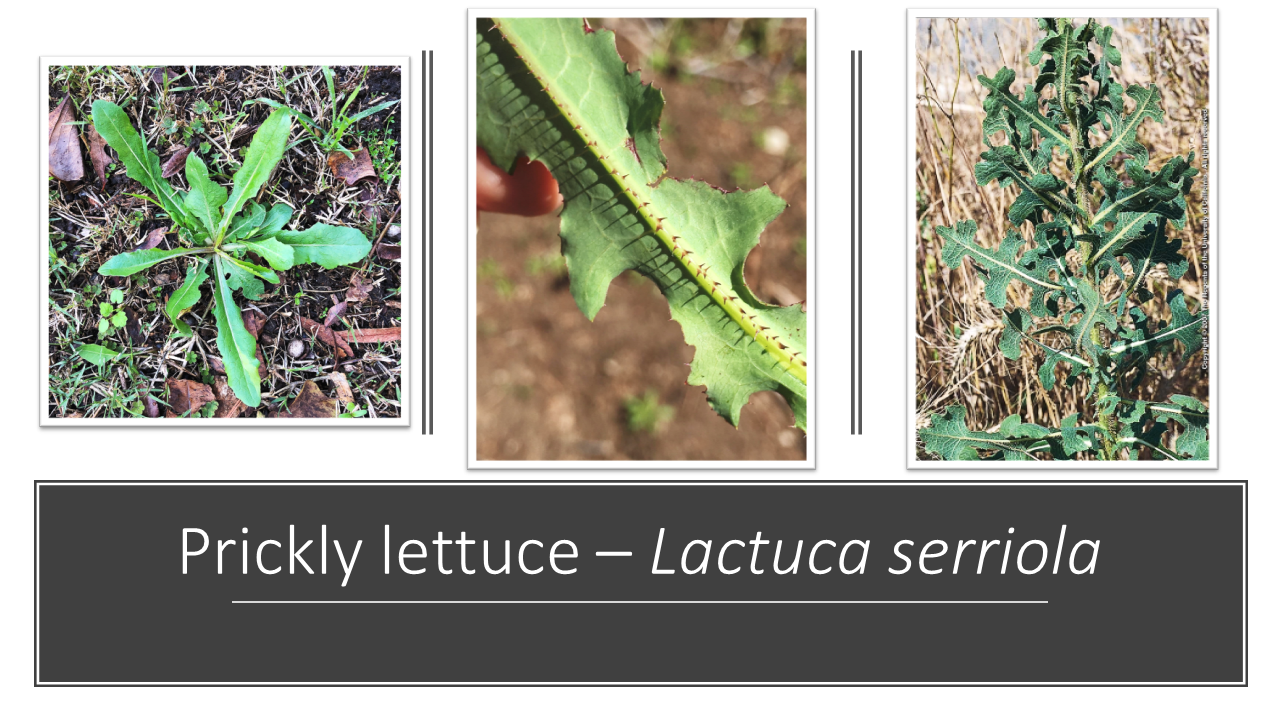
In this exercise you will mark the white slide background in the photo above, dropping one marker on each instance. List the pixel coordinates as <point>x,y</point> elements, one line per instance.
<point>1243,232</point>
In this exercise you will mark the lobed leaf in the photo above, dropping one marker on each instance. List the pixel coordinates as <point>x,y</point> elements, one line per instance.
<point>205,198</point>
<point>553,92</point>
<point>951,439</point>
<point>1000,266</point>
<point>186,297</point>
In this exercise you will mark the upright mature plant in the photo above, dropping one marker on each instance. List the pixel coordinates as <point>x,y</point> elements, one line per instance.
<point>1090,222</point>
<point>220,236</point>
<point>556,91</point>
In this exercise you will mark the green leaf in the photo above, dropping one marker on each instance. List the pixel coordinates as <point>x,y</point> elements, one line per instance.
<point>1124,130</point>
<point>206,197</point>
<point>1000,266</point>
<point>104,327</point>
<point>119,319</point>
<point>1039,190</point>
<point>279,255</point>
<point>244,276</point>
<point>1066,53</point>
<point>131,262</point>
<point>951,439</point>
<point>550,91</point>
<point>1094,310</point>
<point>1183,327</point>
<point>96,354</point>
<point>186,297</point>
<point>246,223</point>
<point>117,296</point>
<point>370,111</point>
<point>1004,110</point>
<point>105,309</point>
<point>235,344</point>
<point>1128,227</point>
<point>1193,416</point>
<point>1018,327</point>
<point>265,151</point>
<point>326,245</point>
<point>1155,248</point>
<point>140,163</point>
<point>276,219</point>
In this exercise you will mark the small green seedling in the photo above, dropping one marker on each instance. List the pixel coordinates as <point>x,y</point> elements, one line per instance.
<point>1100,229</point>
<point>330,138</point>
<point>111,314</point>
<point>221,230</point>
<point>354,411</point>
<point>648,413</point>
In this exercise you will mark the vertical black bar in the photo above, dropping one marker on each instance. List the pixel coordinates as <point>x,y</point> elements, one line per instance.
<point>424,313</point>
<point>428,199</point>
<point>859,211</point>
<point>856,258</point>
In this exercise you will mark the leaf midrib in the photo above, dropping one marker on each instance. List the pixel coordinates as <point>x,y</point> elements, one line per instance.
<point>1113,144</point>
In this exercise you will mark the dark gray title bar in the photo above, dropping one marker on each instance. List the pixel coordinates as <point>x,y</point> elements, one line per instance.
<point>513,584</point>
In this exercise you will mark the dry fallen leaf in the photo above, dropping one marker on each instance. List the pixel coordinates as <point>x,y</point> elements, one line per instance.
<point>229,405</point>
<point>368,208</point>
<point>176,163</point>
<point>254,321</point>
<point>187,396</point>
<point>159,75</point>
<point>150,406</point>
<point>98,155</point>
<point>371,335</point>
<point>311,403</point>
<point>153,239</point>
<point>359,289</point>
<point>327,336</point>
<point>343,389</point>
<point>133,326</point>
<point>334,312</point>
<point>387,252</point>
<point>65,162</point>
<point>354,169</point>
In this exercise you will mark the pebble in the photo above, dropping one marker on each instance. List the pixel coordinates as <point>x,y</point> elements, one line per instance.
<point>296,348</point>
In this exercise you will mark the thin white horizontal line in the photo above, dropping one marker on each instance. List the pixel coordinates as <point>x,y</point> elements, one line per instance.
<point>639,602</point>
<point>613,553</point>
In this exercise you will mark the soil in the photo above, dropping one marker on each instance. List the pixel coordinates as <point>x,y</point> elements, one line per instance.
<point>89,224</point>
<point>553,386</point>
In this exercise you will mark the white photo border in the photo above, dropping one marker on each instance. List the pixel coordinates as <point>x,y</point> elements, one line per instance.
<point>810,461</point>
<point>408,147</point>
<point>1211,285</point>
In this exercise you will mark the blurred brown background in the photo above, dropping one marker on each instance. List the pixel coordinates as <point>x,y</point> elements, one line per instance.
<point>553,386</point>
<point>957,330</point>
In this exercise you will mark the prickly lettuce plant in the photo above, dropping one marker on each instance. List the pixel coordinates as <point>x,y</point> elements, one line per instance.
<point>220,230</point>
<point>556,91</point>
<point>1099,228</point>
